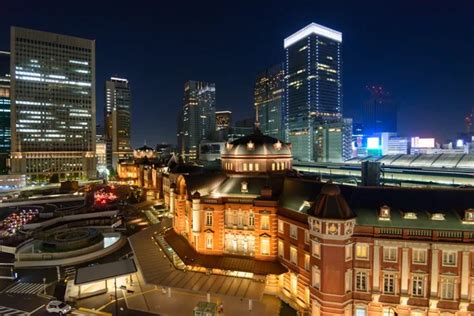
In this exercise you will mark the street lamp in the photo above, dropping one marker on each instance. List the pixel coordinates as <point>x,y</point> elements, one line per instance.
<point>44,286</point>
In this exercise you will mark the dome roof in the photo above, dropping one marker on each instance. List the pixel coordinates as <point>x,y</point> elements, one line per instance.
<point>257,144</point>
<point>330,204</point>
<point>144,148</point>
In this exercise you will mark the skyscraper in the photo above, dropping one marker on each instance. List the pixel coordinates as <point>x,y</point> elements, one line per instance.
<point>53,105</point>
<point>333,141</point>
<point>5,131</point>
<point>118,102</point>
<point>199,116</point>
<point>223,120</point>
<point>268,94</point>
<point>380,111</point>
<point>313,81</point>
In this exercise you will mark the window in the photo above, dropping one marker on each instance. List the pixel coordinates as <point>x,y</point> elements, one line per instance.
<point>265,246</point>
<point>447,289</point>
<point>250,166</point>
<point>281,226</point>
<point>362,251</point>
<point>361,311</point>
<point>389,283</point>
<point>419,256</point>
<point>306,236</point>
<point>294,284</point>
<point>449,258</point>
<point>245,167</point>
<point>265,222</point>
<point>281,248</point>
<point>417,285</point>
<point>316,277</point>
<point>316,249</point>
<point>257,167</point>
<point>348,281</point>
<point>251,219</point>
<point>361,281</point>
<point>209,241</point>
<point>306,261</point>
<point>389,254</point>
<point>208,218</point>
<point>293,255</point>
<point>348,252</point>
<point>294,231</point>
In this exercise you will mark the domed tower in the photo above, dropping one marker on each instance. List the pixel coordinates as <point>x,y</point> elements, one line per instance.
<point>257,154</point>
<point>331,222</point>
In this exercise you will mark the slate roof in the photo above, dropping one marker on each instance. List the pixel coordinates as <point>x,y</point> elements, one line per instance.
<point>263,145</point>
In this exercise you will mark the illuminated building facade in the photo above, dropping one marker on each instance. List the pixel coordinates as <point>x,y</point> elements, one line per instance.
<point>223,120</point>
<point>325,249</point>
<point>101,149</point>
<point>268,93</point>
<point>5,130</point>
<point>313,85</point>
<point>118,102</point>
<point>198,117</point>
<point>53,105</point>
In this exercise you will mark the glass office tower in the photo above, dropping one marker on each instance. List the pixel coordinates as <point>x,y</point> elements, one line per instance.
<point>313,81</point>
<point>5,131</point>
<point>268,99</point>
<point>53,105</point>
<point>118,102</point>
<point>199,116</point>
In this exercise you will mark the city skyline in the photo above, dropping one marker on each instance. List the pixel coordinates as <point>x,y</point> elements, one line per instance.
<point>406,69</point>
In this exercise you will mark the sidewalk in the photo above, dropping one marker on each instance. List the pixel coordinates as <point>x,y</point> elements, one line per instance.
<point>156,300</point>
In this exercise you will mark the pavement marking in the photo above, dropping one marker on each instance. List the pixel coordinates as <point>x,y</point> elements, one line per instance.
<point>26,288</point>
<point>7,311</point>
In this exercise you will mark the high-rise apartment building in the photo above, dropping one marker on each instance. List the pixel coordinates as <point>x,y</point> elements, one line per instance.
<point>333,141</point>
<point>199,116</point>
<point>118,102</point>
<point>5,130</point>
<point>53,105</point>
<point>268,100</point>
<point>380,111</point>
<point>313,85</point>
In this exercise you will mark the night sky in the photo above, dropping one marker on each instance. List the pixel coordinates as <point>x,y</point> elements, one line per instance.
<point>422,51</point>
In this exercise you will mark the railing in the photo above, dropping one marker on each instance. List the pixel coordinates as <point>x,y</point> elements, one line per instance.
<point>450,234</point>
<point>419,233</point>
<point>390,231</point>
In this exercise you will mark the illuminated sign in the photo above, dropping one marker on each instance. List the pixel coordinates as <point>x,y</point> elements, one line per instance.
<point>417,142</point>
<point>459,143</point>
<point>373,142</point>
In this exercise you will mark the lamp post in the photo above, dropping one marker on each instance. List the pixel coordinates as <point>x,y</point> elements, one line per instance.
<point>44,286</point>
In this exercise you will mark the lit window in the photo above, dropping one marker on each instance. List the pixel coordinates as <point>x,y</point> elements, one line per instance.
<point>362,251</point>
<point>244,187</point>
<point>348,280</point>
<point>281,248</point>
<point>389,283</point>
<point>245,166</point>
<point>390,254</point>
<point>209,241</point>
<point>348,252</point>
<point>419,256</point>
<point>257,167</point>
<point>316,277</point>
<point>294,284</point>
<point>265,222</point>
<point>361,281</point>
<point>306,236</point>
<point>208,218</point>
<point>306,261</point>
<point>447,289</point>
<point>437,217</point>
<point>469,215</point>
<point>251,219</point>
<point>293,255</point>
<point>361,311</point>
<point>273,166</point>
<point>417,285</point>
<point>409,215</point>
<point>293,231</point>
<point>281,226</point>
<point>250,145</point>
<point>250,166</point>
<point>316,249</point>
<point>384,213</point>
<point>449,258</point>
<point>265,246</point>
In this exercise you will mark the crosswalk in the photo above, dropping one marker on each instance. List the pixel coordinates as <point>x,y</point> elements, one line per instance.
<point>25,288</point>
<point>7,311</point>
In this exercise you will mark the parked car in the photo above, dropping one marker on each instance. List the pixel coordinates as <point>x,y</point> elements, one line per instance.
<point>58,307</point>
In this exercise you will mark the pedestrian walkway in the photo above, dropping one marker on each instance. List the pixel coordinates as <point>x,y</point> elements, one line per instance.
<point>25,288</point>
<point>7,311</point>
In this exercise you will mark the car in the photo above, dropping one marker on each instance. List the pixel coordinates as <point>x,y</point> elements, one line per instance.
<point>58,307</point>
